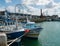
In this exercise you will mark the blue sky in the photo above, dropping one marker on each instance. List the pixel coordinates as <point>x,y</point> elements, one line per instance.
<point>11,2</point>
<point>50,6</point>
<point>57,1</point>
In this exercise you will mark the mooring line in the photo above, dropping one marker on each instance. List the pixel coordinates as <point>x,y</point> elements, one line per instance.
<point>12,41</point>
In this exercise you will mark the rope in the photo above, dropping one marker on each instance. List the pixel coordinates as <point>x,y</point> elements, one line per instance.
<point>9,41</point>
<point>16,39</point>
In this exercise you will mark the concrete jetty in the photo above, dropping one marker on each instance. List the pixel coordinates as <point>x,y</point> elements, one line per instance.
<point>3,39</point>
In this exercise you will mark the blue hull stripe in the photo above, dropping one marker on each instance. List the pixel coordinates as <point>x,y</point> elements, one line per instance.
<point>15,35</point>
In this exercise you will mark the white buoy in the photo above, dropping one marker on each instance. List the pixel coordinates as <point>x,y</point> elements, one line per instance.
<point>3,39</point>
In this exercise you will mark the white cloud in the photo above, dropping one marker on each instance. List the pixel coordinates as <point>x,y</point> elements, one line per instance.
<point>43,2</point>
<point>27,2</point>
<point>8,1</point>
<point>36,2</point>
<point>11,8</point>
<point>51,7</point>
<point>2,9</point>
<point>53,10</point>
<point>30,10</point>
<point>34,10</point>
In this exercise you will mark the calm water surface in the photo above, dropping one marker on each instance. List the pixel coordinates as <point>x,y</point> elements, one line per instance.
<point>49,36</point>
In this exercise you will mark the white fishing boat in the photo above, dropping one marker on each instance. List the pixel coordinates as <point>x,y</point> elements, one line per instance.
<point>34,29</point>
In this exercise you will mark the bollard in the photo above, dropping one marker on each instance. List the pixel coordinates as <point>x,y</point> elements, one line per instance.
<point>3,39</point>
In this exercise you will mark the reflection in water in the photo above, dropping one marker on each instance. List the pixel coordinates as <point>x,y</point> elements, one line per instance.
<point>30,42</point>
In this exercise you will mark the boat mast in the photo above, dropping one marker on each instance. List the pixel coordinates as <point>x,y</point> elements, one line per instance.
<point>27,19</point>
<point>16,19</point>
<point>16,23</point>
<point>6,18</point>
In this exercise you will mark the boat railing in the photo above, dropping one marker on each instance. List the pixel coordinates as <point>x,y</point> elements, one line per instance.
<point>10,27</point>
<point>7,28</point>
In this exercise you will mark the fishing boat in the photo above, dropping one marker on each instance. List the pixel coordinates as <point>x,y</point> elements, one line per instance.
<point>34,29</point>
<point>12,31</point>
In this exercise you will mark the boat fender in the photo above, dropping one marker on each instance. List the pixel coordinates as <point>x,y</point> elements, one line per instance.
<point>27,30</point>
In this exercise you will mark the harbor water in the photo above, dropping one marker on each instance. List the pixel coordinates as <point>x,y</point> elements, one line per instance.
<point>49,36</point>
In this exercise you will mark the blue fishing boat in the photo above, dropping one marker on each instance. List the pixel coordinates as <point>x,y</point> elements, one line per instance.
<point>34,29</point>
<point>12,29</point>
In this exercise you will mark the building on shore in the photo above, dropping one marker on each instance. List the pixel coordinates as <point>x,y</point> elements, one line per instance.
<point>49,18</point>
<point>20,16</point>
<point>23,17</point>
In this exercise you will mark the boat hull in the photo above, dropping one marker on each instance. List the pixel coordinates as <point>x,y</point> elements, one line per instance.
<point>14,35</point>
<point>34,33</point>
